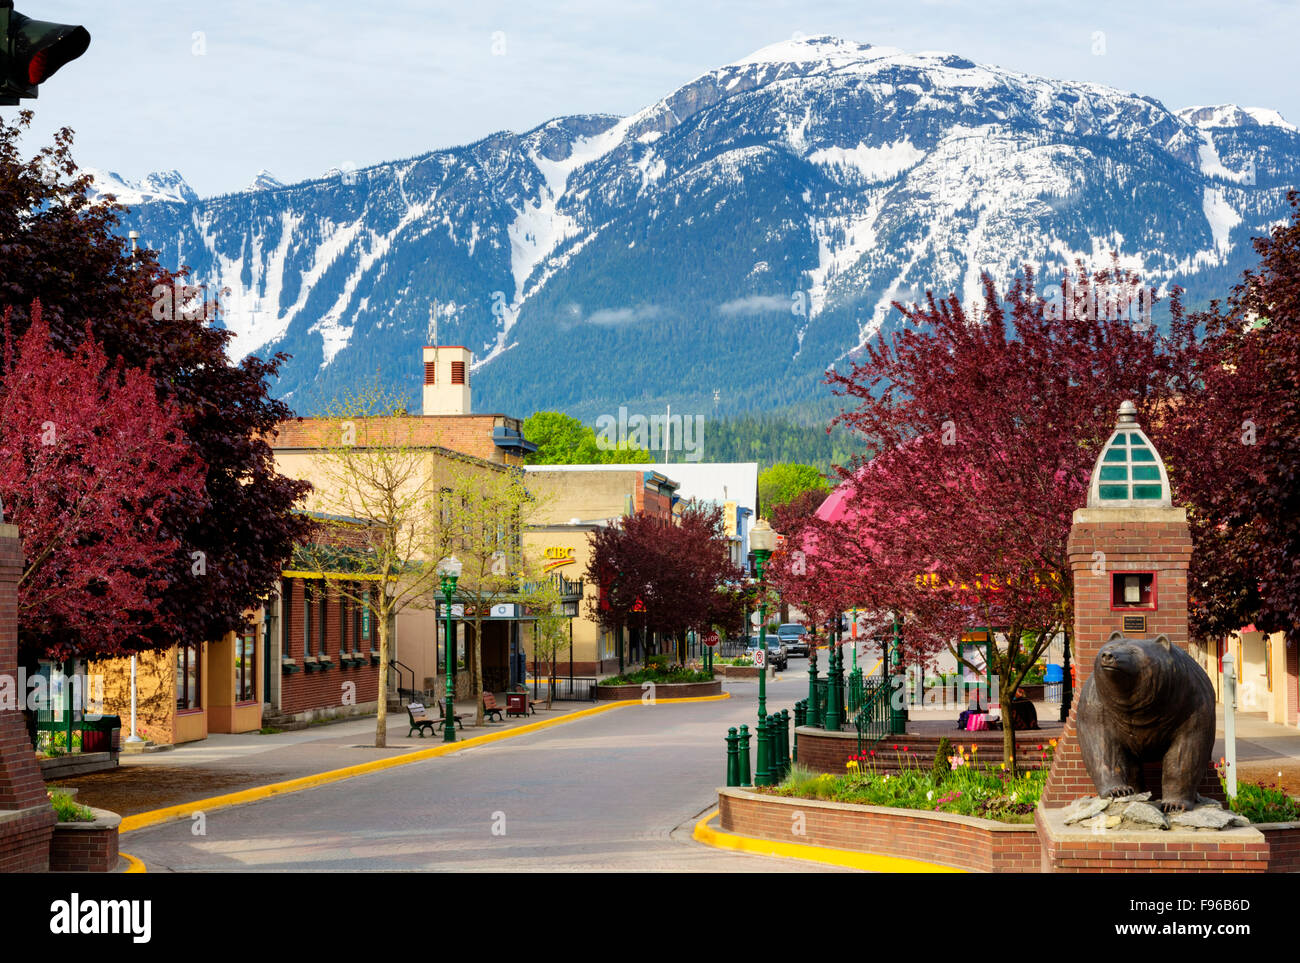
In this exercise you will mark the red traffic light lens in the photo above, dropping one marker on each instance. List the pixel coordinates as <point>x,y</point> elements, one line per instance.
<point>36,73</point>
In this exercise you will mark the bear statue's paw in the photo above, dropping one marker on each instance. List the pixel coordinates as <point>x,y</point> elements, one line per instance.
<point>1176,805</point>
<point>1119,792</point>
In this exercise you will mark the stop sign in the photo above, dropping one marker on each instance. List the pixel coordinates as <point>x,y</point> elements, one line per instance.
<point>711,639</point>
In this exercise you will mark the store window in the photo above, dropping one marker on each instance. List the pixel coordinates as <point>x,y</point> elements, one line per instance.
<point>286,609</point>
<point>246,667</point>
<point>188,691</point>
<point>308,611</point>
<point>324,619</point>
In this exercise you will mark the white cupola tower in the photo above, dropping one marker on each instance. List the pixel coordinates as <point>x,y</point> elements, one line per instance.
<point>446,380</point>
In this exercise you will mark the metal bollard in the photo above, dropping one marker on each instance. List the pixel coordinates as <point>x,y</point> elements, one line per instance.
<point>763,756</point>
<point>744,755</point>
<point>733,757</point>
<point>785,743</point>
<point>800,713</point>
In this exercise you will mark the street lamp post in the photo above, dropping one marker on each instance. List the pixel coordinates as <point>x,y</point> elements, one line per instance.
<point>449,570</point>
<point>762,537</point>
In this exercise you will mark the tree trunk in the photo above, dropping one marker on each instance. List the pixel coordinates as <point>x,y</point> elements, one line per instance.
<point>1008,736</point>
<point>381,716</point>
<point>478,672</point>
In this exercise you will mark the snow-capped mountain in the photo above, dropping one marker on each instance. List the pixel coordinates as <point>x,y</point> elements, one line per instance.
<point>165,186</point>
<point>720,248</point>
<point>265,181</point>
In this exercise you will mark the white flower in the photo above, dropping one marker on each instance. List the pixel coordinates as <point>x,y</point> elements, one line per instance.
<point>1013,797</point>
<point>929,795</point>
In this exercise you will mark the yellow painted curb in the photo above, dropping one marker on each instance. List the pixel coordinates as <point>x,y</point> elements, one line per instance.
<point>844,858</point>
<point>136,865</point>
<point>181,811</point>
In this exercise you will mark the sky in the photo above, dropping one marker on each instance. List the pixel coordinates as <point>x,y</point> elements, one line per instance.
<point>221,89</point>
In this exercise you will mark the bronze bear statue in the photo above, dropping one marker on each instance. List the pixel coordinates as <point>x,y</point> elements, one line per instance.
<point>1147,700</point>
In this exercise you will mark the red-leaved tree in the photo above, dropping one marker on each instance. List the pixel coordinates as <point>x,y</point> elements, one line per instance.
<point>90,463</point>
<point>986,429</point>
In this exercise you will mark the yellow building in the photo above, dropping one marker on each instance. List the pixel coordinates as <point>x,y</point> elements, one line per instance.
<point>1268,674</point>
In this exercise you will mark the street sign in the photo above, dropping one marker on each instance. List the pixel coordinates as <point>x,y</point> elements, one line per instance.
<point>760,658</point>
<point>711,639</point>
<point>755,619</point>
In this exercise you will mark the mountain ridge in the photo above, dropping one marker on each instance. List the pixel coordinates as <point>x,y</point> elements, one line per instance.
<point>722,246</point>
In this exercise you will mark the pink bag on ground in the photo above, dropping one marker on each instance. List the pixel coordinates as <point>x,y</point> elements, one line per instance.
<point>976,722</point>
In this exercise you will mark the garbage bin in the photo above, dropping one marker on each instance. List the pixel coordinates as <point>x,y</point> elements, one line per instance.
<point>97,734</point>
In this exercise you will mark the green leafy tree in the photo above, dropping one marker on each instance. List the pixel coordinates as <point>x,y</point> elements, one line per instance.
<point>783,483</point>
<point>563,440</point>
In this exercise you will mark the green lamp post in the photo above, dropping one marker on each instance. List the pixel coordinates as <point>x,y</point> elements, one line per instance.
<point>762,539</point>
<point>449,570</point>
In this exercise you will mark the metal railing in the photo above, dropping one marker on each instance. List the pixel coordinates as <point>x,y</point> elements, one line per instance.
<point>565,689</point>
<point>873,718</point>
<point>403,692</point>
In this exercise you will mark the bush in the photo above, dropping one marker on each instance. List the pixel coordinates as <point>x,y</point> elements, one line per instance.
<point>68,811</point>
<point>1261,803</point>
<point>941,756</point>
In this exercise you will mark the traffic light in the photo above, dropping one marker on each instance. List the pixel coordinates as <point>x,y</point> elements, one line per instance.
<point>32,50</point>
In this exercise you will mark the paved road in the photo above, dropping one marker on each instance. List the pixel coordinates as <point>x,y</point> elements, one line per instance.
<point>617,791</point>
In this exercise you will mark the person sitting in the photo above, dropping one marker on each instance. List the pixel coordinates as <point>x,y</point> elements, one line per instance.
<point>1023,713</point>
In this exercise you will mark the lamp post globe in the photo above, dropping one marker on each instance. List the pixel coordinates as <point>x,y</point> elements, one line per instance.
<point>449,570</point>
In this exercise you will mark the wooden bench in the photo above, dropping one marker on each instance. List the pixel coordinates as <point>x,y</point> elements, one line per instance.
<point>490,706</point>
<point>420,719</point>
<point>442,715</point>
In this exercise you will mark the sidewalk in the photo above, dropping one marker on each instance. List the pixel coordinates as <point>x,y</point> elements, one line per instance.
<point>225,763</point>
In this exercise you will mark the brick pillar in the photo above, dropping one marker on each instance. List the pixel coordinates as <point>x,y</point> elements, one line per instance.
<point>1131,540</point>
<point>26,817</point>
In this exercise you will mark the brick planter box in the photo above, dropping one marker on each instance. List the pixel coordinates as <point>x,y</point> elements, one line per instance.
<point>741,671</point>
<point>86,847</point>
<point>662,690</point>
<point>962,842</point>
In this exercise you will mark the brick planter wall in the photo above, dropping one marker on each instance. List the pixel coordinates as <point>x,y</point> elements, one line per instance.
<point>962,842</point>
<point>1066,850</point>
<point>662,690</point>
<point>86,847</point>
<point>1283,846</point>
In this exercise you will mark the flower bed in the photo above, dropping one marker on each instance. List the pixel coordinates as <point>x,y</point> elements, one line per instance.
<point>956,784</point>
<point>604,692</point>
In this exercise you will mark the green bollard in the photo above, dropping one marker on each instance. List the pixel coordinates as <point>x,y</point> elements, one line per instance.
<point>744,755</point>
<point>763,764</point>
<point>812,717</point>
<point>785,742</point>
<point>834,683</point>
<point>733,757</point>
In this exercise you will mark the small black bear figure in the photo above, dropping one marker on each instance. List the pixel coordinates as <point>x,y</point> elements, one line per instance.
<point>1147,700</point>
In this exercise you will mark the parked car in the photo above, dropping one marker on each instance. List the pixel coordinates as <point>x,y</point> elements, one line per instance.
<point>777,653</point>
<point>795,637</point>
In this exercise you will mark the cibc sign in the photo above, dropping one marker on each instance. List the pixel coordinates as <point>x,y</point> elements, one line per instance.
<point>558,555</point>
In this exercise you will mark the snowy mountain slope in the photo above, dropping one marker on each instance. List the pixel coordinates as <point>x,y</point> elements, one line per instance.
<point>718,249</point>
